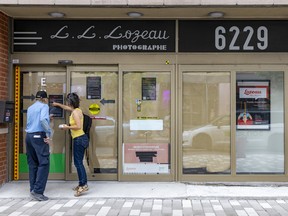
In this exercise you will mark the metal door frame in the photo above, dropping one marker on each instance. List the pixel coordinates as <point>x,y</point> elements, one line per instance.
<point>37,68</point>
<point>84,68</point>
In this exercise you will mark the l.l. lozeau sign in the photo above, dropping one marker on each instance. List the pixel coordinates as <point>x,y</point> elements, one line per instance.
<point>93,36</point>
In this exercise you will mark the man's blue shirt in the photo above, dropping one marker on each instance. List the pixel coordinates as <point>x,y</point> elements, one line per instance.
<point>38,118</point>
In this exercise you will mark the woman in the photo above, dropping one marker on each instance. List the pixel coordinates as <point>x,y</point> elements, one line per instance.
<point>80,139</point>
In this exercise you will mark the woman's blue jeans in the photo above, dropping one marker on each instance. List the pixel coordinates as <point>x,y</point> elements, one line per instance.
<point>79,145</point>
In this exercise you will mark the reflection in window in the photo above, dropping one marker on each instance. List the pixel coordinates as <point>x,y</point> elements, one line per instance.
<point>260,145</point>
<point>146,122</point>
<point>54,80</point>
<point>101,155</point>
<point>206,122</point>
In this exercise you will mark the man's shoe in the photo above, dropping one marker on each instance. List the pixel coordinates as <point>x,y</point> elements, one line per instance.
<point>38,197</point>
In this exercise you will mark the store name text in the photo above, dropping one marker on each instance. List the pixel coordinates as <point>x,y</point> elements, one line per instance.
<point>116,34</point>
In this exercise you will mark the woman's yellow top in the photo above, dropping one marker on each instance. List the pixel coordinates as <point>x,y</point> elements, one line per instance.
<point>76,133</point>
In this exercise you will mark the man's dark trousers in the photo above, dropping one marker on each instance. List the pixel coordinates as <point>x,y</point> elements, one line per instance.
<point>38,161</point>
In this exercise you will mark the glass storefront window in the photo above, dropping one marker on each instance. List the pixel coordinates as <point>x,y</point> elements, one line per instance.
<point>206,122</point>
<point>260,122</point>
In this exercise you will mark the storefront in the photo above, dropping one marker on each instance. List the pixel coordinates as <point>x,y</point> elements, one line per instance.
<point>171,100</point>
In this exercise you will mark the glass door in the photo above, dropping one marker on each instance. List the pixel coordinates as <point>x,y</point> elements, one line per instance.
<point>53,81</point>
<point>98,91</point>
<point>147,144</point>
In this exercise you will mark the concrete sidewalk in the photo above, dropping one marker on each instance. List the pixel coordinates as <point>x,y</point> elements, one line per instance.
<point>155,190</point>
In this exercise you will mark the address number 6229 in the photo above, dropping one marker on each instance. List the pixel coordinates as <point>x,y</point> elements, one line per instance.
<point>223,42</point>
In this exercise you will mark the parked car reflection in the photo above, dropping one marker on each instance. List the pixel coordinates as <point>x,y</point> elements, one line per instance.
<point>214,136</point>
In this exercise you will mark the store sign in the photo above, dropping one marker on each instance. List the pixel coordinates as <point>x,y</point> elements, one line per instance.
<point>253,105</point>
<point>93,36</point>
<point>146,158</point>
<point>233,36</point>
<point>253,93</point>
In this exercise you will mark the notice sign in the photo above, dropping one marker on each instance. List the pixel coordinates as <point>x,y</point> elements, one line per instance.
<point>57,112</point>
<point>146,124</point>
<point>253,105</point>
<point>148,88</point>
<point>94,109</point>
<point>93,87</point>
<point>146,158</point>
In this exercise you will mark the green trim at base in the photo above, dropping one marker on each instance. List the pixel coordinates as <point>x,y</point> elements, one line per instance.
<point>57,163</point>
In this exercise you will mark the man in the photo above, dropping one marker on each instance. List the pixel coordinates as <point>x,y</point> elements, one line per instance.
<point>38,132</point>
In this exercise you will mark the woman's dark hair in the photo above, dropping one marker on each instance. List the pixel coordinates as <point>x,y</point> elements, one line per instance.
<point>73,100</point>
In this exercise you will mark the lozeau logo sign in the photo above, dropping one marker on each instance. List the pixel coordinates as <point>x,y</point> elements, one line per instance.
<point>253,92</point>
<point>94,36</point>
<point>134,36</point>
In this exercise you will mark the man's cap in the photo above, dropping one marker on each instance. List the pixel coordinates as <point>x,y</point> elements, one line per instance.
<point>41,94</point>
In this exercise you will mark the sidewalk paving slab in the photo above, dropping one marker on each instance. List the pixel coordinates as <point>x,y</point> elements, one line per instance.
<point>156,190</point>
